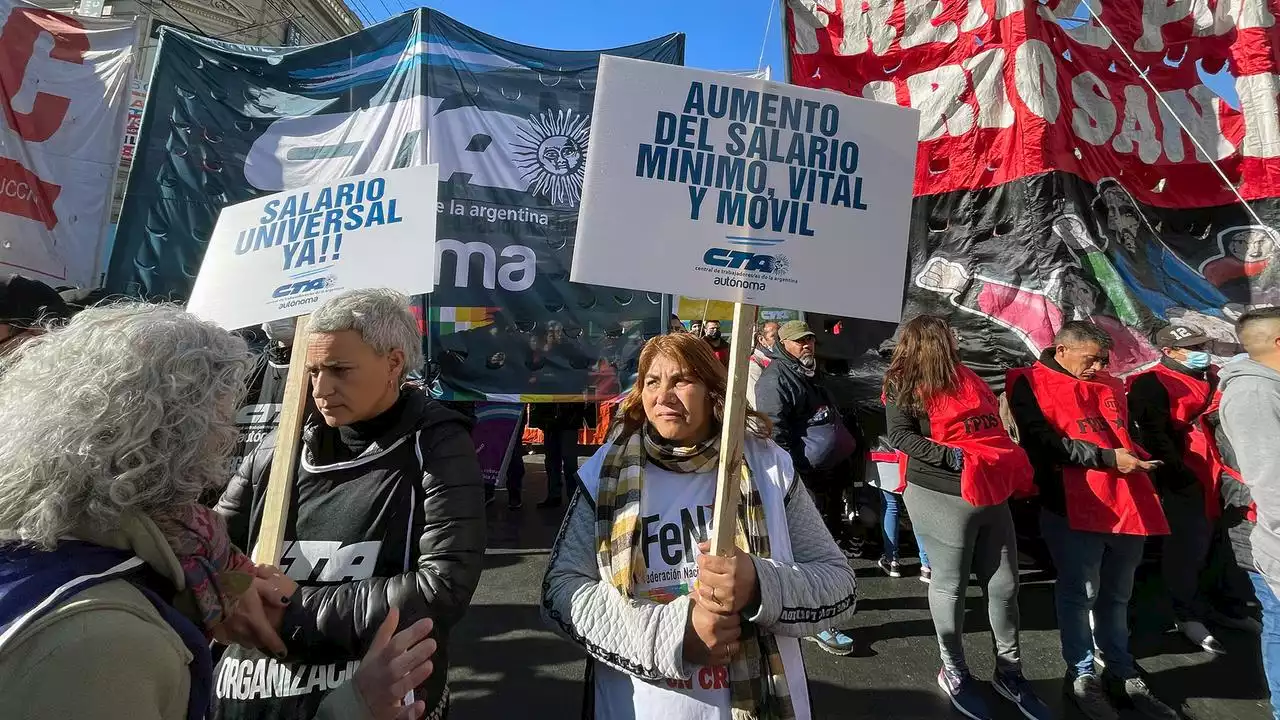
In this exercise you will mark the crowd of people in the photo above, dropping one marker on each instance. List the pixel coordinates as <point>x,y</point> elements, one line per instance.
<point>123,571</point>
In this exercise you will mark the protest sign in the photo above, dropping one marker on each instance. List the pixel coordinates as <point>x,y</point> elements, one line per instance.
<point>746,191</point>
<point>739,189</point>
<point>280,255</point>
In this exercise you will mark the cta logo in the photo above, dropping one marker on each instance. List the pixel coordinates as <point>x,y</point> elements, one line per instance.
<point>747,261</point>
<point>302,287</point>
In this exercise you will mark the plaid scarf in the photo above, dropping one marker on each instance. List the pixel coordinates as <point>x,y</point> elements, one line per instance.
<point>757,679</point>
<point>217,573</point>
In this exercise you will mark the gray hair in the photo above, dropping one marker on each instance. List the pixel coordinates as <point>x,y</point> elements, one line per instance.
<point>381,317</point>
<point>128,407</point>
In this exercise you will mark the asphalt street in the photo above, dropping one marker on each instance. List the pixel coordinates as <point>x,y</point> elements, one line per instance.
<point>507,664</point>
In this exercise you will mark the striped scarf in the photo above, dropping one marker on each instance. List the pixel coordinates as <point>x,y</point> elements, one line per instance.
<point>757,679</point>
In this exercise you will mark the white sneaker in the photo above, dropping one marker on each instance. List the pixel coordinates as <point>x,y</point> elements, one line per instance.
<point>1199,635</point>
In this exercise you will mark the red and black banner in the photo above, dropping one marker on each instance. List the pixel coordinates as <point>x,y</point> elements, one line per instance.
<point>1052,183</point>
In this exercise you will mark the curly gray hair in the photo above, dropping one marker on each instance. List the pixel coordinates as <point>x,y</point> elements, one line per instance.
<point>381,317</point>
<point>130,406</point>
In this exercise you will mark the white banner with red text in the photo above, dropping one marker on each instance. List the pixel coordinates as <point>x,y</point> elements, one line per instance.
<point>64,85</point>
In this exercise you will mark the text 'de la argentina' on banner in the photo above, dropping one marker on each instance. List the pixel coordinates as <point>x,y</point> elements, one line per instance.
<point>510,127</point>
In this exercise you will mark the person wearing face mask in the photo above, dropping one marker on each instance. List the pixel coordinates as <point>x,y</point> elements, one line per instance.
<point>808,425</point>
<point>1168,405</point>
<point>26,304</point>
<point>711,331</point>
<point>1098,506</point>
<point>386,511</point>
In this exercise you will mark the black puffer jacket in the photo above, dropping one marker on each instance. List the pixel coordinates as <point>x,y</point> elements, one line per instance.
<point>401,525</point>
<point>806,420</point>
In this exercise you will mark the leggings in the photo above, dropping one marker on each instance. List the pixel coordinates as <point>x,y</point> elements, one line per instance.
<point>958,537</point>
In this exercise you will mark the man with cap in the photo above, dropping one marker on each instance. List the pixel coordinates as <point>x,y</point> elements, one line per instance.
<point>1168,406</point>
<point>24,305</point>
<point>807,424</point>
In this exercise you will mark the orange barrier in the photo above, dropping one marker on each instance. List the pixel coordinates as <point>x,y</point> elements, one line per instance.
<point>588,436</point>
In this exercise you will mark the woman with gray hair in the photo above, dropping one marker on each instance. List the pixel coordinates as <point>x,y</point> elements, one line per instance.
<point>386,511</point>
<point>112,577</point>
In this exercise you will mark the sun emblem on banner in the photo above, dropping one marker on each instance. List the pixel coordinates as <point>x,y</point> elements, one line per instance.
<point>552,153</point>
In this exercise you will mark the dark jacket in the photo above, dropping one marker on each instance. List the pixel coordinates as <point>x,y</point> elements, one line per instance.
<point>403,524</point>
<point>561,416</point>
<point>806,420</point>
<point>929,464</point>
<point>1149,412</point>
<point>1048,450</point>
<point>1237,501</point>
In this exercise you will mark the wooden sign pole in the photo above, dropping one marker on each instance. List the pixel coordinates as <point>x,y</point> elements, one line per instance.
<point>275,511</point>
<point>725,517</point>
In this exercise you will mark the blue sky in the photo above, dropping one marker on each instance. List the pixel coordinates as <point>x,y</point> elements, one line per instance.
<point>721,34</point>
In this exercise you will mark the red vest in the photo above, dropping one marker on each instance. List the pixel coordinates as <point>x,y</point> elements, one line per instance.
<point>968,418</point>
<point>1215,404</point>
<point>1097,499</point>
<point>1189,402</point>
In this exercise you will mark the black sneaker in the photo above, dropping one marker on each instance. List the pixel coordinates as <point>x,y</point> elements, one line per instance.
<point>1013,686</point>
<point>963,692</point>
<point>1134,693</point>
<point>551,502</point>
<point>890,567</point>
<point>514,503</point>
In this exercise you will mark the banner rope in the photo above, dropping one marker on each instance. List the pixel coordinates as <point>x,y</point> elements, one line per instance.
<point>1203,151</point>
<point>765,40</point>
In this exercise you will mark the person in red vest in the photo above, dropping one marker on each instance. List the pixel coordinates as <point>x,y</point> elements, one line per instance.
<point>711,332</point>
<point>1098,506</point>
<point>1168,405</point>
<point>961,468</point>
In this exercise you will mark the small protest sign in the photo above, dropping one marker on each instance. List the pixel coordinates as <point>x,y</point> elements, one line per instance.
<point>738,189</point>
<point>278,256</point>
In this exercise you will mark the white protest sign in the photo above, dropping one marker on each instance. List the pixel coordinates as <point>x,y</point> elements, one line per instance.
<point>730,188</point>
<point>278,256</point>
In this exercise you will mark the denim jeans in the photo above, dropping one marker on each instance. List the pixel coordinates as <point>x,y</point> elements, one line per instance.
<point>1095,572</point>
<point>892,508</point>
<point>1270,637</point>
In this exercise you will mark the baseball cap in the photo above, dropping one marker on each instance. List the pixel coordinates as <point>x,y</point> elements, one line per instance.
<point>795,330</point>
<point>25,302</point>
<point>1180,336</point>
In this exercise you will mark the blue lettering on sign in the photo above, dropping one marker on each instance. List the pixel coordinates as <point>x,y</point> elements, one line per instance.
<point>302,286</point>
<point>738,260</point>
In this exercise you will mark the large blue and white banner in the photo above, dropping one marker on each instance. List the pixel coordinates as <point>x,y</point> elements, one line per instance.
<point>510,127</point>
